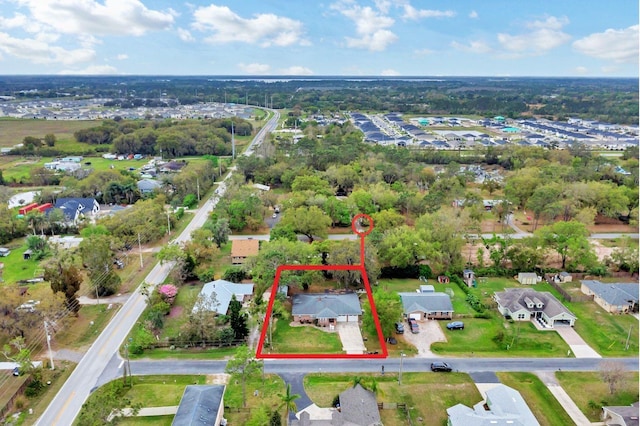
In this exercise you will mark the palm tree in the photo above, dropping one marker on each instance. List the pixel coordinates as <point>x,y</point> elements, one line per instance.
<point>287,400</point>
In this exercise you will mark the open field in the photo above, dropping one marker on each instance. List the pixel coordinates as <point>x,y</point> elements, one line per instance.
<point>13,131</point>
<point>590,392</point>
<point>544,406</point>
<point>86,327</point>
<point>427,395</point>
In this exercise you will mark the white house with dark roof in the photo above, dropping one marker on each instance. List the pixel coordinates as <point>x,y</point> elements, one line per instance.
<point>76,208</point>
<point>430,305</point>
<point>201,405</point>
<point>616,298</point>
<point>224,292</point>
<point>523,304</point>
<point>504,406</point>
<point>326,308</point>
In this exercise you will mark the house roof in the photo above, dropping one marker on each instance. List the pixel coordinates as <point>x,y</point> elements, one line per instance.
<point>244,248</point>
<point>199,405</point>
<point>359,406</point>
<point>224,291</point>
<point>71,207</point>
<point>320,305</point>
<point>513,299</point>
<point>617,294</point>
<point>148,184</point>
<point>506,407</point>
<point>426,302</point>
<point>628,412</point>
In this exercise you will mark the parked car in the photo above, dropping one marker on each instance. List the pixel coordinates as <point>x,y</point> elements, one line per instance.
<point>455,325</point>
<point>16,371</point>
<point>399,328</point>
<point>441,366</point>
<point>413,325</point>
<point>4,251</point>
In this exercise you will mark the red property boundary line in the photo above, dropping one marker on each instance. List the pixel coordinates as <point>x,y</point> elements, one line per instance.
<point>374,313</point>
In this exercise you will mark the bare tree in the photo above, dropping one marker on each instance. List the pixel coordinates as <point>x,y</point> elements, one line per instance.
<point>613,373</point>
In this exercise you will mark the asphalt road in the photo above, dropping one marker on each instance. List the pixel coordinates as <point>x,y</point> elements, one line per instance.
<point>67,403</point>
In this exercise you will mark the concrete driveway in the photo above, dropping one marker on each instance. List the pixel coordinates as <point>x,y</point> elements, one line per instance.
<point>578,346</point>
<point>351,338</point>
<point>430,332</point>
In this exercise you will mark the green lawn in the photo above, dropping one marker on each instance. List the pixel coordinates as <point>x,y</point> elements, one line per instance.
<point>542,403</point>
<point>590,393</point>
<point>161,391</point>
<point>190,353</point>
<point>15,267</point>
<point>427,395</point>
<point>13,131</point>
<point>304,339</point>
<point>86,327</point>
<point>150,420</point>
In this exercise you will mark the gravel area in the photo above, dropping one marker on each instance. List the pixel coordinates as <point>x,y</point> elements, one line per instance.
<point>430,332</point>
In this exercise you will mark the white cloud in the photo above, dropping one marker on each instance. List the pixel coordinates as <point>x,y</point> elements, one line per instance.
<point>111,17</point>
<point>265,29</point>
<point>92,70</point>
<point>422,52</point>
<point>389,72</point>
<point>185,35</point>
<point>39,51</point>
<point>474,46</point>
<point>543,36</point>
<point>411,12</point>
<point>254,68</point>
<point>296,70</point>
<point>19,20</point>
<point>614,45</point>
<point>371,26</point>
<point>581,70</point>
<point>122,57</point>
<point>473,14</point>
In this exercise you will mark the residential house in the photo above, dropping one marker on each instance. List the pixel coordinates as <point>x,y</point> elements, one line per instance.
<point>242,249</point>
<point>201,405</point>
<point>523,304</point>
<point>503,406</point>
<point>616,298</point>
<point>76,208</point>
<point>358,407</point>
<point>224,292</point>
<point>326,308</point>
<point>527,278</point>
<point>148,186</point>
<point>430,305</point>
<point>621,415</point>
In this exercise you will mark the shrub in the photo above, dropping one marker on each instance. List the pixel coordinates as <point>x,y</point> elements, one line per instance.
<point>205,274</point>
<point>179,213</point>
<point>168,293</point>
<point>190,201</point>
<point>20,402</point>
<point>234,274</point>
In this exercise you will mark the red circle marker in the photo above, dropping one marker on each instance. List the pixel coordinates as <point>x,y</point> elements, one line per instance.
<point>355,220</point>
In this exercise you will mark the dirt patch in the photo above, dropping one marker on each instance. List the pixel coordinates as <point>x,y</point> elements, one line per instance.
<point>217,379</point>
<point>430,332</point>
<point>175,311</point>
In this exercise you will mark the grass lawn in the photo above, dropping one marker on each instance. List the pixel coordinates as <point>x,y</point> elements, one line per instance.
<point>427,395</point>
<point>590,393</point>
<point>150,420</point>
<point>81,333</point>
<point>185,299</point>
<point>304,339</point>
<point>267,395</point>
<point>161,391</point>
<point>542,403</point>
<point>190,353</point>
<point>15,267</point>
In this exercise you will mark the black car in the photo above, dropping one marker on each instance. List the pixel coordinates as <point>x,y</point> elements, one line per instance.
<point>440,366</point>
<point>399,328</point>
<point>16,371</point>
<point>456,325</point>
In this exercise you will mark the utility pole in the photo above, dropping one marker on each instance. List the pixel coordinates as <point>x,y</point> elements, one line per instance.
<point>46,331</point>
<point>233,142</point>
<point>198,187</point>
<point>168,223</point>
<point>402,355</point>
<point>140,251</point>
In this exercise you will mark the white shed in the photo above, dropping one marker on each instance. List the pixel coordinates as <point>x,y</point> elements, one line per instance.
<point>528,278</point>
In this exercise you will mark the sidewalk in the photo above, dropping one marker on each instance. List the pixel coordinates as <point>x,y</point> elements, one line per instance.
<point>550,381</point>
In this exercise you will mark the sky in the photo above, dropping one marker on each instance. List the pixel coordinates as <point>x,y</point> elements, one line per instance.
<point>556,38</point>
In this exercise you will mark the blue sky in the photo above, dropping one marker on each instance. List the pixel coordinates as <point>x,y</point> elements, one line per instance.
<point>333,37</point>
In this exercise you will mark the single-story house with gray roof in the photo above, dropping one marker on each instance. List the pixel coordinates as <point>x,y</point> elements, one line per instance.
<point>616,298</point>
<point>358,407</point>
<point>503,406</point>
<point>621,415</point>
<point>224,292</point>
<point>148,186</point>
<point>201,405</point>
<point>430,305</point>
<point>523,304</point>
<point>326,308</point>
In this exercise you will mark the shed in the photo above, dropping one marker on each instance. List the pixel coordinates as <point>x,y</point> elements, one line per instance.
<point>26,255</point>
<point>527,278</point>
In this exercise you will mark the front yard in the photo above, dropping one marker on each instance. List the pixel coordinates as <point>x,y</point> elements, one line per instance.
<point>305,339</point>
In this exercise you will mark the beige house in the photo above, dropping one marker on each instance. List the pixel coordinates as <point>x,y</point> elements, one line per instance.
<point>616,298</point>
<point>242,249</point>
